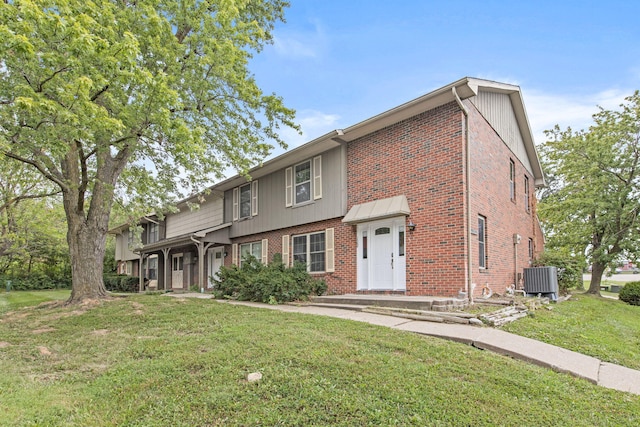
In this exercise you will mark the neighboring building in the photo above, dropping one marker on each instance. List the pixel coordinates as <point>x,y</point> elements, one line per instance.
<point>433,197</point>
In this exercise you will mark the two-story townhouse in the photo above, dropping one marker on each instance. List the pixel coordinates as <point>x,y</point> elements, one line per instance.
<point>433,197</point>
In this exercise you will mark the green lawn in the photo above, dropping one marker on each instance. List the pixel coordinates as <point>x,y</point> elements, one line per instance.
<point>151,360</point>
<point>600,327</point>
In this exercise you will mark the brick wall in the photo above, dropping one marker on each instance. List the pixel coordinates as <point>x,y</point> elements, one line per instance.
<point>421,158</point>
<point>491,197</point>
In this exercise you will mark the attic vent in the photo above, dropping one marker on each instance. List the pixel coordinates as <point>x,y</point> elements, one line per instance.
<point>541,280</point>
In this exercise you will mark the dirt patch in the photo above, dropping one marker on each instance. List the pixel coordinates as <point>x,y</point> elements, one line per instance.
<point>44,351</point>
<point>4,344</point>
<point>100,332</point>
<point>43,330</point>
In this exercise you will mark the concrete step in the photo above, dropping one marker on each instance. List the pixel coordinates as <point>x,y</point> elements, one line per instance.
<point>413,303</point>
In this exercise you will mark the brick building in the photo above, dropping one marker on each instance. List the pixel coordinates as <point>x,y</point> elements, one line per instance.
<point>433,197</point>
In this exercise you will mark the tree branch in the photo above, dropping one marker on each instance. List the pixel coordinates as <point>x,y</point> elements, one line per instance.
<point>43,170</point>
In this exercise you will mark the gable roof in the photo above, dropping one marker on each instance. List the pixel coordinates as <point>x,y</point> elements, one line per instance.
<point>465,88</point>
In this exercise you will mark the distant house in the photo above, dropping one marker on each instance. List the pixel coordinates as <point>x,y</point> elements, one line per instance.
<point>432,197</point>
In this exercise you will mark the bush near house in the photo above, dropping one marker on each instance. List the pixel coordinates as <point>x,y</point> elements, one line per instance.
<point>121,283</point>
<point>630,293</point>
<point>271,283</point>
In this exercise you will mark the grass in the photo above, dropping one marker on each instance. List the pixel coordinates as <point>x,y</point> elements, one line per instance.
<point>18,299</point>
<point>607,329</point>
<point>150,360</point>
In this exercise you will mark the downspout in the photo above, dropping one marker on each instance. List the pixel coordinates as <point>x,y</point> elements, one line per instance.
<point>467,171</point>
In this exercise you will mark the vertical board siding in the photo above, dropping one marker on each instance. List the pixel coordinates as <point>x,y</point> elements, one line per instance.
<point>497,109</point>
<point>186,221</point>
<point>274,214</point>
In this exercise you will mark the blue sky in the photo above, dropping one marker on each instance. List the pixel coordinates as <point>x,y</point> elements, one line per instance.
<point>338,62</point>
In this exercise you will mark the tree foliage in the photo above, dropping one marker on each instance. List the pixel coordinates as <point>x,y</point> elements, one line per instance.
<point>594,205</point>
<point>117,99</point>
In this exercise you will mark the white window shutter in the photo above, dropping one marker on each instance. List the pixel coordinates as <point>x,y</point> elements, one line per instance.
<point>235,204</point>
<point>317,177</point>
<point>285,250</point>
<point>234,254</point>
<point>254,198</point>
<point>329,242</point>
<point>288,187</point>
<point>265,251</point>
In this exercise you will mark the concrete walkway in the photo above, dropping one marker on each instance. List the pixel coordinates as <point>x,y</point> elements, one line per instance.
<point>559,359</point>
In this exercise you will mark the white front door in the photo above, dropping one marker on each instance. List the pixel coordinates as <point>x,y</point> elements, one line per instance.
<point>381,255</point>
<point>215,260</point>
<point>177,267</point>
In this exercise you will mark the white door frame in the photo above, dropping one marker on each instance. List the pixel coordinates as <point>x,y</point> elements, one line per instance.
<point>214,263</point>
<point>177,271</point>
<point>397,251</point>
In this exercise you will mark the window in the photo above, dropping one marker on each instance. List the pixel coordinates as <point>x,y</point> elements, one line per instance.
<point>130,238</point>
<point>365,248</point>
<point>303,182</point>
<point>531,250</point>
<point>482,242</point>
<point>253,248</point>
<point>245,201</point>
<point>401,241</point>
<point>512,180</point>
<point>152,266</point>
<point>310,249</point>
<point>152,232</point>
<point>527,203</point>
<point>129,268</point>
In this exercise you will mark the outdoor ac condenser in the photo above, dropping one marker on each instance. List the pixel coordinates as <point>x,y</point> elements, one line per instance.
<point>541,280</point>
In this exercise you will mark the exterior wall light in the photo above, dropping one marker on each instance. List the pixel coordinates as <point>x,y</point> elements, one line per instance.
<point>411,226</point>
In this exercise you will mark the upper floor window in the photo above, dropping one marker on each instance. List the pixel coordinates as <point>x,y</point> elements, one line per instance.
<point>245,201</point>
<point>512,180</point>
<point>527,200</point>
<point>152,230</point>
<point>303,182</point>
<point>531,250</point>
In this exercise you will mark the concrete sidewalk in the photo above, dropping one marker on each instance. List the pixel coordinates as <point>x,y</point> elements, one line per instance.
<point>559,359</point>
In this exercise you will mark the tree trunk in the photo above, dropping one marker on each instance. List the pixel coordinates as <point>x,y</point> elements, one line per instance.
<point>597,271</point>
<point>86,252</point>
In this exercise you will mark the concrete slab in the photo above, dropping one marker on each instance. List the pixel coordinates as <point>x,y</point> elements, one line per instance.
<point>619,378</point>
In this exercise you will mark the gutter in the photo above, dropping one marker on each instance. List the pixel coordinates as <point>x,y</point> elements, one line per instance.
<point>467,171</point>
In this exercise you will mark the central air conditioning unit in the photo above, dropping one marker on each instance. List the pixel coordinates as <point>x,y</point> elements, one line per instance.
<point>541,280</point>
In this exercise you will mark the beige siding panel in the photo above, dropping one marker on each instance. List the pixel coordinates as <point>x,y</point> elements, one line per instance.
<point>497,109</point>
<point>273,190</point>
<point>187,221</point>
<point>123,253</point>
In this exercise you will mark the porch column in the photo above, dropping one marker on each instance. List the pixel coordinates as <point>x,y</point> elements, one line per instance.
<point>167,265</point>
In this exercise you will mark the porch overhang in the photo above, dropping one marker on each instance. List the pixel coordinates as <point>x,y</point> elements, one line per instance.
<point>378,209</point>
<point>218,234</point>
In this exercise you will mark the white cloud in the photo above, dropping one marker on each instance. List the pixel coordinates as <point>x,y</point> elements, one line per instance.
<point>301,44</point>
<point>575,111</point>
<point>312,124</point>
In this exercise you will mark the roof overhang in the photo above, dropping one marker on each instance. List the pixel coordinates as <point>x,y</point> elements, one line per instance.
<point>217,234</point>
<point>378,209</point>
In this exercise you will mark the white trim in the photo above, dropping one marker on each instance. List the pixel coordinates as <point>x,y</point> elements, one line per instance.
<point>329,251</point>
<point>234,254</point>
<point>265,251</point>
<point>317,177</point>
<point>254,198</point>
<point>235,206</point>
<point>285,250</point>
<point>288,187</point>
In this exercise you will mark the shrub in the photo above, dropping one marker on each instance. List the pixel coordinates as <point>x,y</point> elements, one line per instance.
<point>630,293</point>
<point>36,281</point>
<point>270,283</point>
<point>121,283</point>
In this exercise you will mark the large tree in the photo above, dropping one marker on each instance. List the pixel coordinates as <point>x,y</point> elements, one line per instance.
<point>132,99</point>
<point>594,205</point>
